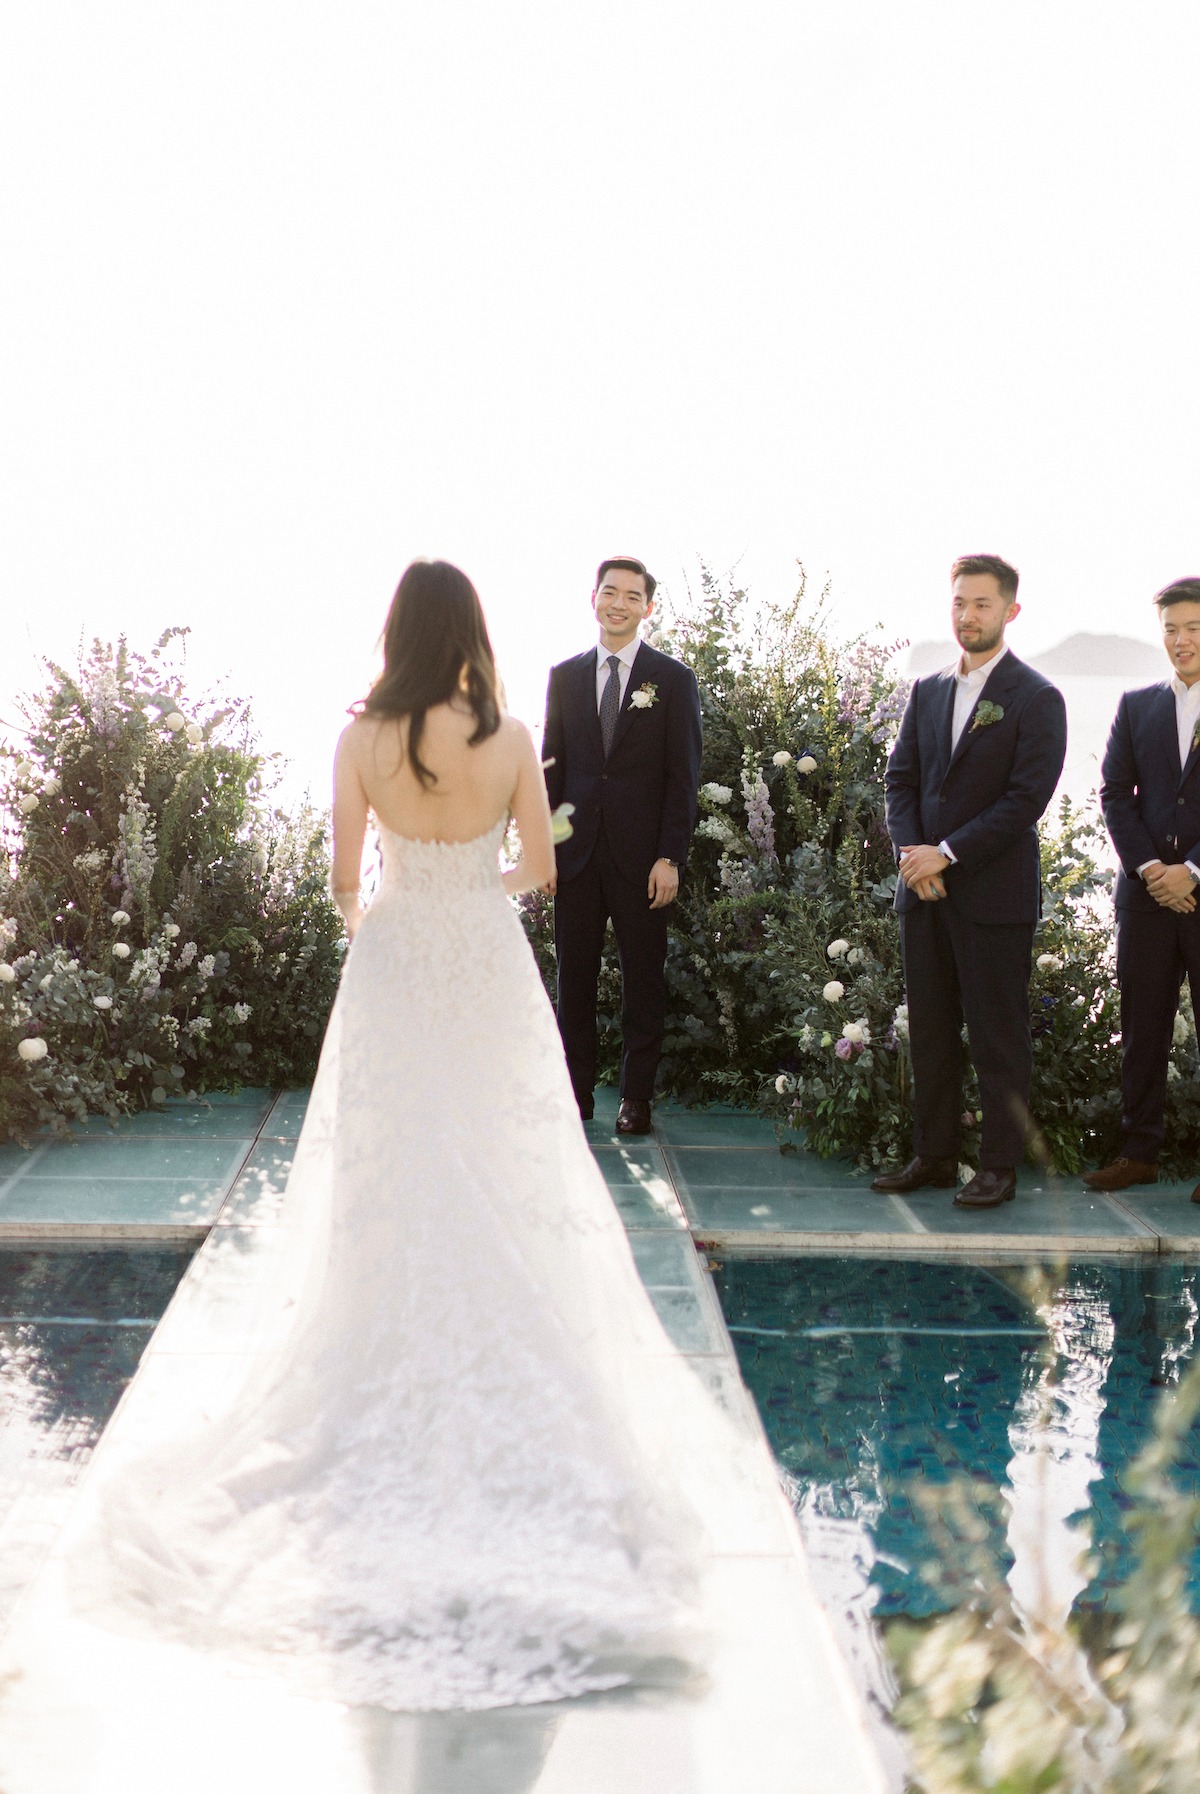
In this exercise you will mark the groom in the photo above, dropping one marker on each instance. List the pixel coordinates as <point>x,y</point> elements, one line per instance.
<point>622,744</point>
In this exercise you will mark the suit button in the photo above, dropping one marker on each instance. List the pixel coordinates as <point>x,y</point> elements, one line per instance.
<point>1179,801</point>
<point>603,778</point>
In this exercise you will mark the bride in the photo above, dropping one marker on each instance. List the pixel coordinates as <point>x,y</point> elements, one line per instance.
<point>466,1467</point>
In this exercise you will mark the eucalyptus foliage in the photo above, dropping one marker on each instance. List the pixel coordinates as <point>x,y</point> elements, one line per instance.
<point>163,929</point>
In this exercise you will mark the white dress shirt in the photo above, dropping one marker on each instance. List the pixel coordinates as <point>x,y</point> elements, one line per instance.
<point>626,656</point>
<point>1187,715</point>
<point>967,687</point>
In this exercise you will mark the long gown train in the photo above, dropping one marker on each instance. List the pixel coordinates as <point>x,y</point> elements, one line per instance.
<point>466,1468</point>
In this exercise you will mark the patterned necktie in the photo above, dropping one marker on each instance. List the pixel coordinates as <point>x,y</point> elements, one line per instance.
<point>610,704</point>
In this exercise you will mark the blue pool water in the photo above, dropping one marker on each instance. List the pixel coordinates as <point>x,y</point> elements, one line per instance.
<point>73,1325</point>
<point>874,1376</point>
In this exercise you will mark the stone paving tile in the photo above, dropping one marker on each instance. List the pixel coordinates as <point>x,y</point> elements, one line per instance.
<point>776,1211</point>
<point>702,1128</point>
<point>257,1196</point>
<point>727,1168</point>
<point>100,1160</point>
<point>178,1121</point>
<point>145,1201</point>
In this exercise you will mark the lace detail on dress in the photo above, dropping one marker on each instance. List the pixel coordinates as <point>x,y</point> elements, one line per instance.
<point>465,1478</point>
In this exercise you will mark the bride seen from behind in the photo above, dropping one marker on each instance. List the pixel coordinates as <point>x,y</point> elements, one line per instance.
<point>431,753</point>
<point>465,1467</point>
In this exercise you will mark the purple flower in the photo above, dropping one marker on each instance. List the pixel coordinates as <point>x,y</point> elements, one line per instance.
<point>760,818</point>
<point>843,1048</point>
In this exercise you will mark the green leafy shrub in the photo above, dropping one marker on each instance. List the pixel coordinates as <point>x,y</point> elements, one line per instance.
<point>163,928</point>
<point>785,985</point>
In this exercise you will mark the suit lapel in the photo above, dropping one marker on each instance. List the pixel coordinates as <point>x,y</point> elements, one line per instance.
<point>640,662</point>
<point>586,700</point>
<point>996,685</point>
<point>943,716</point>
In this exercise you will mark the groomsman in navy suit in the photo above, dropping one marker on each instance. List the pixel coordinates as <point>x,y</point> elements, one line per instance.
<point>1150,796</point>
<point>622,739</point>
<point>980,750</point>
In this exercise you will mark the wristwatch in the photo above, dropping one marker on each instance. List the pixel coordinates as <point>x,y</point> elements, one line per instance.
<point>667,862</point>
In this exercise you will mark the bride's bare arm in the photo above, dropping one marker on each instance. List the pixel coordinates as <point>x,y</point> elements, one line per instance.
<point>531,813</point>
<point>349,832</point>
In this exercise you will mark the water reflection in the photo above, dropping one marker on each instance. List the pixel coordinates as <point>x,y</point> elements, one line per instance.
<point>876,1377</point>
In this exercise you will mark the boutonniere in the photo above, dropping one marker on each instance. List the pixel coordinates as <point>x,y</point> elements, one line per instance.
<point>644,696</point>
<point>985,715</point>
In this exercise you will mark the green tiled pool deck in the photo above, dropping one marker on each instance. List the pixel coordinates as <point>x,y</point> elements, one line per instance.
<point>716,1173</point>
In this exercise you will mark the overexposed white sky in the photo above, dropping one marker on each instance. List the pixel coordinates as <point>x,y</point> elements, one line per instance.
<point>294,293</point>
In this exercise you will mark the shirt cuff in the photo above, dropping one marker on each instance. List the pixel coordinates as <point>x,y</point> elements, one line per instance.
<point>1141,871</point>
<point>1193,869</point>
<point>944,848</point>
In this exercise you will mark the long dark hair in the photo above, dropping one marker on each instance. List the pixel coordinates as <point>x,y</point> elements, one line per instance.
<point>434,630</point>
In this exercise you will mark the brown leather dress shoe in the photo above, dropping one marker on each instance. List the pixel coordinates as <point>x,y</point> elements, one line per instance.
<point>987,1189</point>
<point>633,1117</point>
<point>1120,1174</point>
<point>940,1174</point>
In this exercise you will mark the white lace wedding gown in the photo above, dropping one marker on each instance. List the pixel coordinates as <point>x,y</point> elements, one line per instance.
<point>468,1474</point>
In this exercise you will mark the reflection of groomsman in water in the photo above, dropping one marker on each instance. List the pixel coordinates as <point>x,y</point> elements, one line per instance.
<point>623,741</point>
<point>979,753</point>
<point>1150,795</point>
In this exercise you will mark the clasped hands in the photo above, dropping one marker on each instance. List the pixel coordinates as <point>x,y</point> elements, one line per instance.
<point>1171,886</point>
<point>921,869</point>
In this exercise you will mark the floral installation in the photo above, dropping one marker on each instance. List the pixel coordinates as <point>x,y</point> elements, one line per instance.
<point>644,696</point>
<point>163,930</point>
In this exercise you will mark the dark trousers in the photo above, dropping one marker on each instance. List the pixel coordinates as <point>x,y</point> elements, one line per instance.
<point>956,970</point>
<point>1154,950</point>
<point>582,907</point>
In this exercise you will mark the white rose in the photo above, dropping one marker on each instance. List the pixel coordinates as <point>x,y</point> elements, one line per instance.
<point>120,917</point>
<point>194,733</point>
<point>102,1002</point>
<point>1048,962</point>
<point>121,950</point>
<point>174,721</point>
<point>32,1050</point>
<point>28,804</point>
<point>834,992</point>
<point>835,949</point>
<point>171,930</point>
<point>25,769</point>
<point>51,785</point>
<point>782,758</point>
<point>806,764</point>
<point>857,1033</point>
<point>7,975</point>
<point>717,794</point>
<point>641,700</point>
<point>781,1084</point>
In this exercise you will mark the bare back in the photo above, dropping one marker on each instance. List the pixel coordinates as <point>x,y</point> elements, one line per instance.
<point>474,785</point>
<point>474,788</point>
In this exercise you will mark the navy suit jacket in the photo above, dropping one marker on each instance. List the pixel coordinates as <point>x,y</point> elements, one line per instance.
<point>984,799</point>
<point>1151,803</point>
<point>645,793</point>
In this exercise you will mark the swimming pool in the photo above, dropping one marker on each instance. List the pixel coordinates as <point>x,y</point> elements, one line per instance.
<point>877,1375</point>
<point>74,1322</point>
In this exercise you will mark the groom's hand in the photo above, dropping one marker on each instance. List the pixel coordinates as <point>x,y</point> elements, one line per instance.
<point>918,865</point>
<point>1171,886</point>
<point>663,886</point>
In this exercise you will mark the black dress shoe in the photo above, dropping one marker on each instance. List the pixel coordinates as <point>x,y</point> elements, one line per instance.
<point>586,1114</point>
<point>633,1117</point>
<point>1196,1194</point>
<point>987,1189</point>
<point>941,1174</point>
